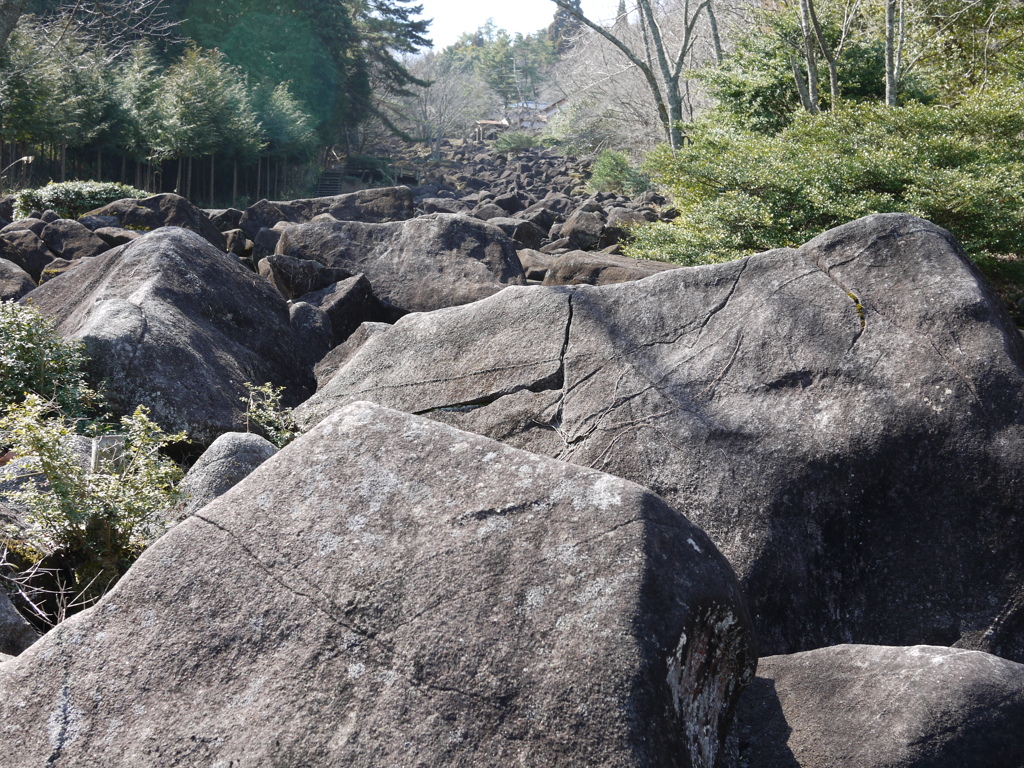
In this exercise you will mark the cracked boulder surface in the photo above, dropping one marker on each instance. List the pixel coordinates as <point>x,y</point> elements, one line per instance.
<point>860,706</point>
<point>844,420</point>
<point>427,263</point>
<point>170,322</point>
<point>350,603</point>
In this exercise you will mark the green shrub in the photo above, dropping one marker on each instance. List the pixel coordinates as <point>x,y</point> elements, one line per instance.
<point>612,172</point>
<point>83,524</point>
<point>87,524</point>
<point>35,359</point>
<point>110,512</point>
<point>513,142</point>
<point>740,192</point>
<point>71,199</point>
<point>690,246</point>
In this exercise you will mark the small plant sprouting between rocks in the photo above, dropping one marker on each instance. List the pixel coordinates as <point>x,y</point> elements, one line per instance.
<point>263,410</point>
<point>88,522</point>
<point>118,496</point>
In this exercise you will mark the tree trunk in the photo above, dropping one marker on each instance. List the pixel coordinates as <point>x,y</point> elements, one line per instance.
<point>99,161</point>
<point>234,183</point>
<point>644,67</point>
<point>833,66</point>
<point>259,176</point>
<point>801,86</point>
<point>715,38</point>
<point>901,38</point>
<point>177,181</point>
<point>810,53</point>
<point>890,52</point>
<point>212,170</point>
<point>188,183</point>
<point>63,162</point>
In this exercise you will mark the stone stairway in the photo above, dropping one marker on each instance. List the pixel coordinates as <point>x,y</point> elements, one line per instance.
<point>330,183</point>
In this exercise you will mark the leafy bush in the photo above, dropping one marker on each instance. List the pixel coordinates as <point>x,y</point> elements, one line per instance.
<point>83,524</point>
<point>740,192</point>
<point>34,359</point>
<point>87,523</point>
<point>109,512</point>
<point>685,245</point>
<point>71,199</point>
<point>513,142</point>
<point>612,172</point>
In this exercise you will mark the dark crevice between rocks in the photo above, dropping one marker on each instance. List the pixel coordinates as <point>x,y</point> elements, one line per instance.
<point>547,384</point>
<point>556,422</point>
<point>724,302</point>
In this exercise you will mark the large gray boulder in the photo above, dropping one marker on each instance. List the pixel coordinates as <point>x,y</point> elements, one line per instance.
<point>420,265</point>
<point>262,214</point>
<point>862,706</point>
<point>16,634</point>
<point>846,421</point>
<point>170,322</point>
<point>163,210</point>
<point>369,205</point>
<point>584,230</point>
<point>15,282</point>
<point>349,603</point>
<point>72,240</point>
<point>297,277</point>
<point>23,248</point>
<point>347,305</point>
<point>230,459</point>
<point>342,353</point>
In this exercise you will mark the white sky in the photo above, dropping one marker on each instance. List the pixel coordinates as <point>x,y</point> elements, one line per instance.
<point>453,17</point>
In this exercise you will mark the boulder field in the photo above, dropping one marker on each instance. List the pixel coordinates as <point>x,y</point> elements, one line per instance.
<point>549,505</point>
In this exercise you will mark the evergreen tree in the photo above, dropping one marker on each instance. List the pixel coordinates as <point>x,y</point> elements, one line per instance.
<point>564,28</point>
<point>136,94</point>
<point>204,107</point>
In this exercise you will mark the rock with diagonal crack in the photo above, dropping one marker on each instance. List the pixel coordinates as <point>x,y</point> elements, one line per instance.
<point>349,603</point>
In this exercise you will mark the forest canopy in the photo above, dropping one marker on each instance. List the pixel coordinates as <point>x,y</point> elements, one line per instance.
<point>231,83</point>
